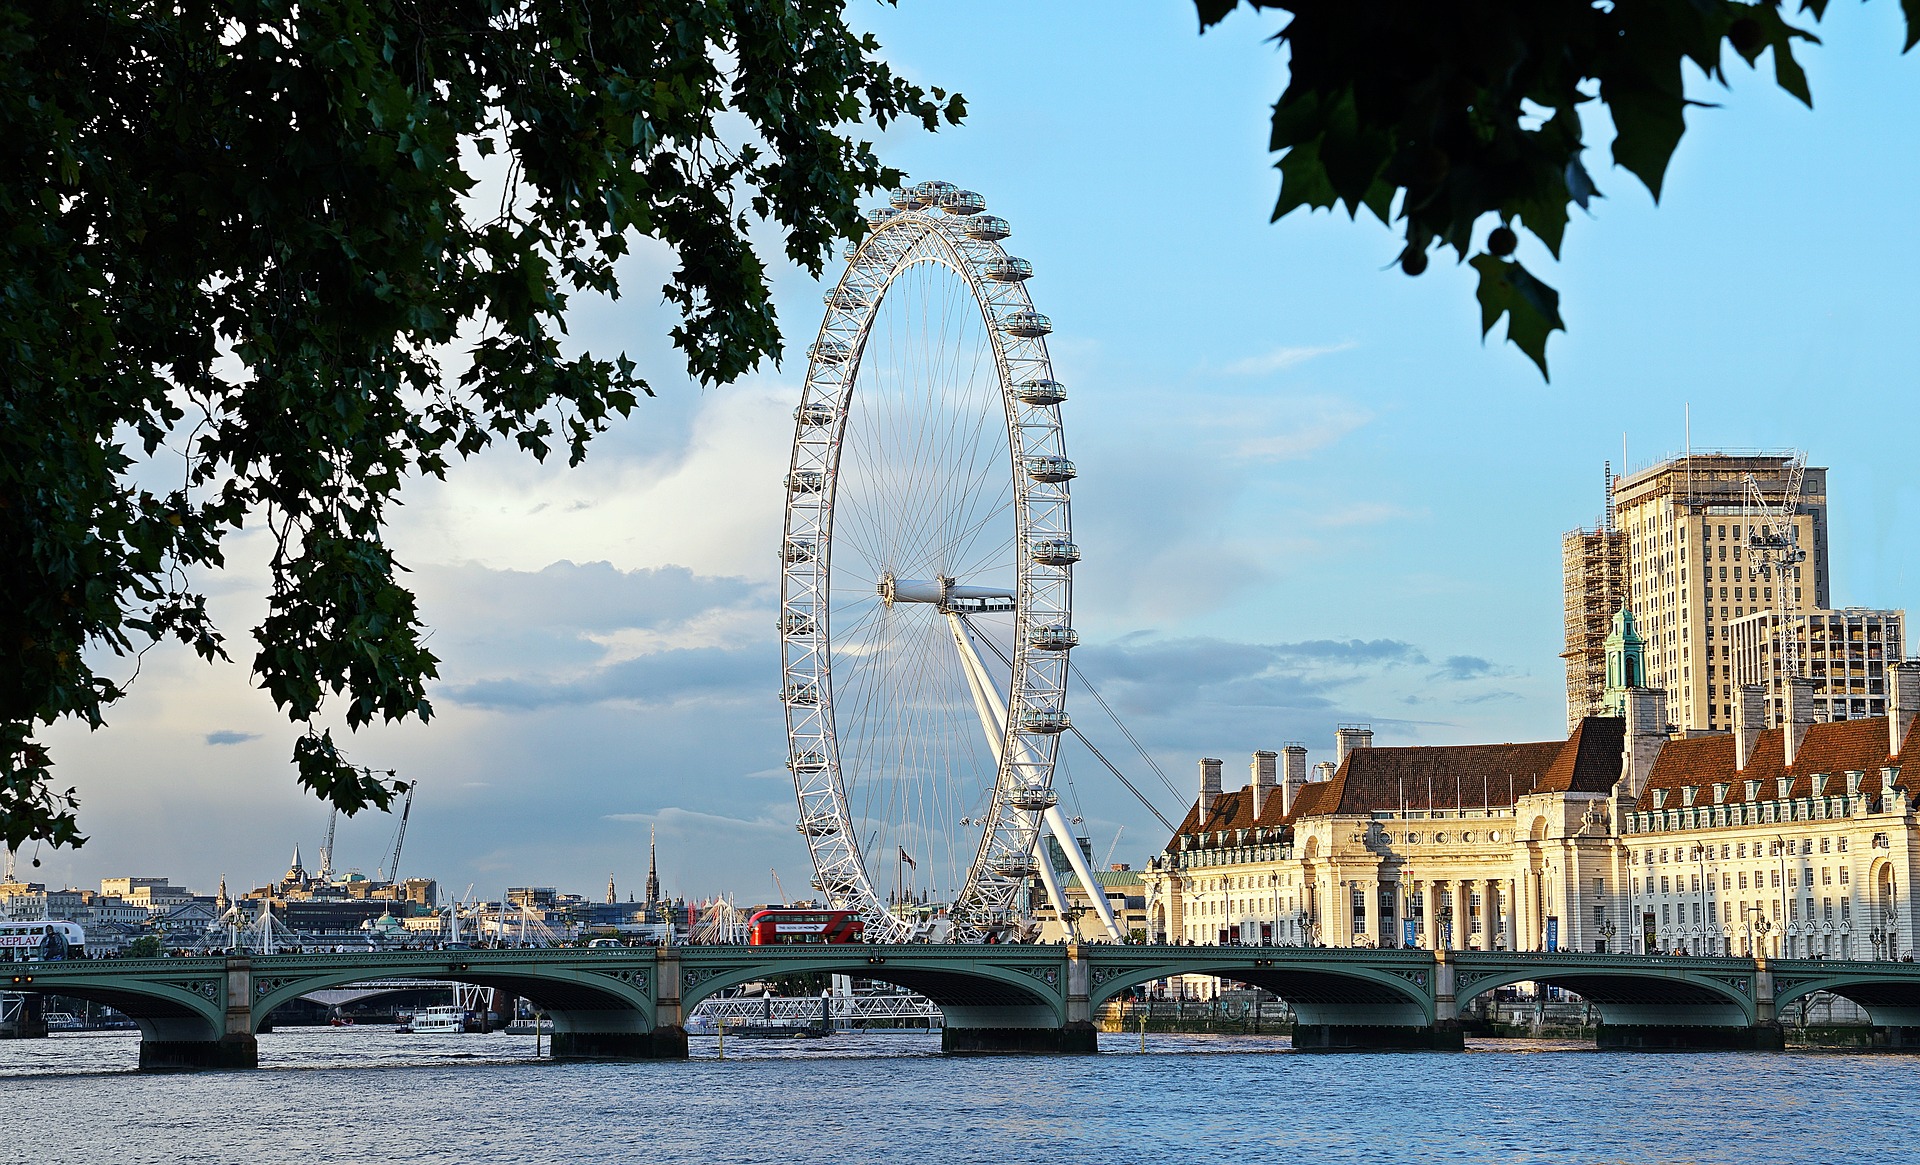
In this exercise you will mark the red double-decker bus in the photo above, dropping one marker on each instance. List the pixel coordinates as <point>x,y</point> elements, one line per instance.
<point>782,926</point>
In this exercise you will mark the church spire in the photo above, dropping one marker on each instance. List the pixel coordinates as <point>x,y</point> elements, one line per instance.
<point>653,869</point>
<point>611,896</point>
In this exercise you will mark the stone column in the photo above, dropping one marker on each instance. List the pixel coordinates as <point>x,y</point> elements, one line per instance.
<point>1490,914</point>
<point>1530,903</point>
<point>1371,888</point>
<point>1429,934</point>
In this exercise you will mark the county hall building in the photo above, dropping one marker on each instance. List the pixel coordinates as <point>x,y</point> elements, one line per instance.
<point>1794,839</point>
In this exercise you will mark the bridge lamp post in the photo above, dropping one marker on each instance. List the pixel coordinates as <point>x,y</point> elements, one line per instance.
<point>1757,928</point>
<point>1706,908</point>
<point>1273,883</point>
<point>1606,932</point>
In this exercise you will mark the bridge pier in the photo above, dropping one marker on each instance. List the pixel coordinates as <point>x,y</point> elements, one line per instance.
<point>667,1040</point>
<point>169,1046</point>
<point>658,1044</point>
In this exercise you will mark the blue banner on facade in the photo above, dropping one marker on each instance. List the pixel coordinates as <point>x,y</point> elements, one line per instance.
<point>1410,932</point>
<point>1553,934</point>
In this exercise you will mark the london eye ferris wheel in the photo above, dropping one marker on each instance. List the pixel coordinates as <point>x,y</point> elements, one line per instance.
<point>926,587</point>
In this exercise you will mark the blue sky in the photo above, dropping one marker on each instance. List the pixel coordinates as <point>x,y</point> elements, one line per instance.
<point>1309,493</point>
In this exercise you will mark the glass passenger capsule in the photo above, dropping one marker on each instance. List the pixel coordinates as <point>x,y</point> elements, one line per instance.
<point>1049,721</point>
<point>802,694</point>
<point>933,192</point>
<point>1053,637</point>
<point>816,413</point>
<point>1008,269</point>
<point>1049,469</point>
<point>988,227</point>
<point>1054,552</point>
<point>963,202</point>
<point>829,352</point>
<point>1040,392</point>
<point>796,623</point>
<point>1028,325</point>
<point>847,299</point>
<point>798,550</point>
<point>879,215</point>
<point>808,762</point>
<point>903,199</point>
<point>1015,867</point>
<point>1033,799</point>
<point>806,481</point>
<point>818,827</point>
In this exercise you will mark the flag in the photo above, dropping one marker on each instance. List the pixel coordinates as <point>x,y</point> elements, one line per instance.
<point>907,857</point>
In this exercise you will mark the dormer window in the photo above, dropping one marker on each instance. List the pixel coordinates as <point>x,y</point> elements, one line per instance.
<point>1753,790</point>
<point>1660,798</point>
<point>1784,784</point>
<point>1688,794</point>
<point>1819,784</point>
<point>1853,782</point>
<point>1720,792</point>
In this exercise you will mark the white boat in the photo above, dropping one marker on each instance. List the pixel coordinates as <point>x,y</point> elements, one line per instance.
<point>65,1021</point>
<point>442,1020</point>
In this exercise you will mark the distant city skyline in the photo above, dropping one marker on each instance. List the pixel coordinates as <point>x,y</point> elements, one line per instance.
<point>1308,493</point>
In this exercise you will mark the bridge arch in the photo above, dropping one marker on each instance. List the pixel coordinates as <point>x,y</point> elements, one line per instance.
<point>614,1000</point>
<point>969,991</point>
<point>182,1008</point>
<point>1889,992</point>
<point>1337,992</point>
<point>1627,991</point>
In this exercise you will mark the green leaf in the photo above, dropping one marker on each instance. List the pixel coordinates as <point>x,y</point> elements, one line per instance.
<point>1532,309</point>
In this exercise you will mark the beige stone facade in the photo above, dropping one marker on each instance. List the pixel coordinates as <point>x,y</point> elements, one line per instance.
<point>1800,840</point>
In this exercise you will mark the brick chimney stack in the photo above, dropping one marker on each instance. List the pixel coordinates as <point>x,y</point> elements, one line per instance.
<point>1209,785</point>
<point>1903,702</point>
<point>1295,777</point>
<point>1261,774</point>
<point>1749,717</point>
<point>1799,715</point>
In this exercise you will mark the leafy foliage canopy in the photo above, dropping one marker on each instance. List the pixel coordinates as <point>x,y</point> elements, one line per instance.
<point>237,237</point>
<point>1440,113</point>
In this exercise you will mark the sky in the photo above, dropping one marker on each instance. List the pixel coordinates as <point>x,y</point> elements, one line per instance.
<point>1309,493</point>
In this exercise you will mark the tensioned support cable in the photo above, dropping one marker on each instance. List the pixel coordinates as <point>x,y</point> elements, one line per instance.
<point>1097,754</point>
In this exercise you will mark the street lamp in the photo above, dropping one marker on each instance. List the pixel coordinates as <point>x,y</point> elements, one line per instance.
<point>1757,928</point>
<point>1706,908</point>
<point>1606,932</point>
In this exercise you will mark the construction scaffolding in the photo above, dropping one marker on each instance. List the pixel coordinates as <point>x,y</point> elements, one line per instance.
<point>1594,565</point>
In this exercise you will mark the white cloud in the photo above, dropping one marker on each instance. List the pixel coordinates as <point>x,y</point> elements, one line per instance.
<point>1282,358</point>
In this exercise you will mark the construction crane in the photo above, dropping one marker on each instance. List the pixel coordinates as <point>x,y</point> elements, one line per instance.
<point>392,872</point>
<point>1773,545</point>
<point>1108,864</point>
<point>326,848</point>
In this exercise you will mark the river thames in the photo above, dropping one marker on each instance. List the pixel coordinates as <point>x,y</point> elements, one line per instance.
<point>369,1095</point>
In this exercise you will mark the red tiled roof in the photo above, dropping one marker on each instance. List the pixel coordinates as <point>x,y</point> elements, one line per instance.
<point>1832,749</point>
<point>1436,777</point>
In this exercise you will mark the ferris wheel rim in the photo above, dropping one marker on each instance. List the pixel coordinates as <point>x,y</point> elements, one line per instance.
<point>922,229</point>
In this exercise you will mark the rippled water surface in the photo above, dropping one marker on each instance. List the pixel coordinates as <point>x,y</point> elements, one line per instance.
<point>343,1095</point>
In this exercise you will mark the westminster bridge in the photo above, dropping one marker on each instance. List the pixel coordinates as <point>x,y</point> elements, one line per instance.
<point>631,1003</point>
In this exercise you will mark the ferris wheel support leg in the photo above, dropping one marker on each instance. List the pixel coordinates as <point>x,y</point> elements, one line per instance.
<point>1057,822</point>
<point>993,718</point>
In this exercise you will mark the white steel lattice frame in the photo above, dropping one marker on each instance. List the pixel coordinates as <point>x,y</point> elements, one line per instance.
<point>993,895</point>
